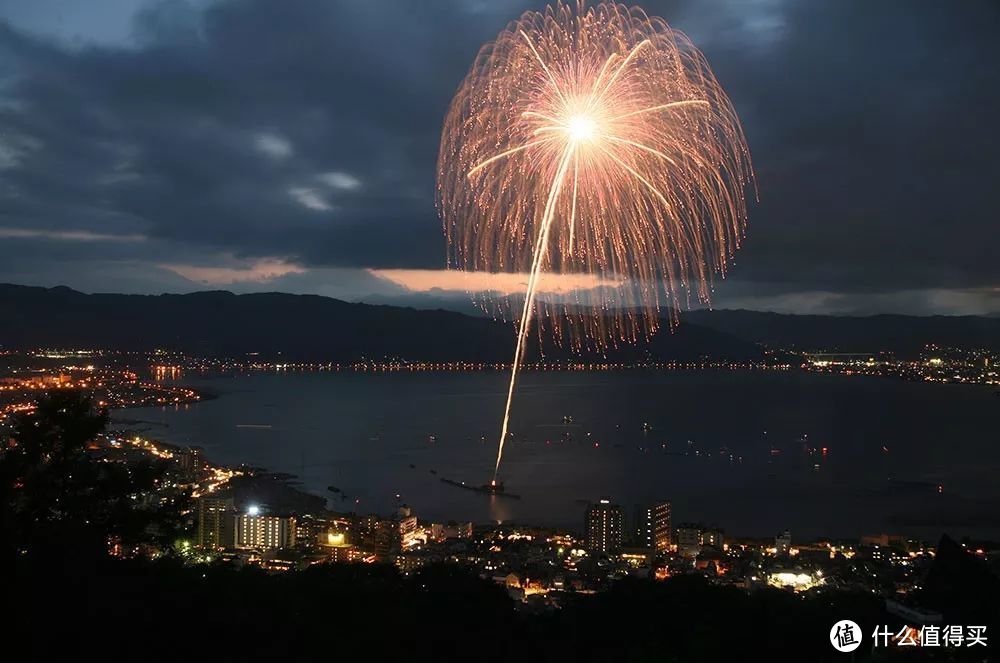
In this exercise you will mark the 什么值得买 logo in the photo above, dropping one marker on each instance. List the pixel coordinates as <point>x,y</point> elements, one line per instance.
<point>845,636</point>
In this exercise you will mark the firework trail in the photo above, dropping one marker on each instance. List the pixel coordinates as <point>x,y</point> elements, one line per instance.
<point>597,141</point>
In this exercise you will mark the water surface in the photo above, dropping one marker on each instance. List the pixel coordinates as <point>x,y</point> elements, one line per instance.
<point>739,448</point>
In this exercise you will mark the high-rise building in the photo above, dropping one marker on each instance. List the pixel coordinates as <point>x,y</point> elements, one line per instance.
<point>605,526</point>
<point>383,536</point>
<point>661,526</point>
<point>191,462</point>
<point>783,542</point>
<point>408,531</point>
<point>311,530</point>
<point>376,534</point>
<point>215,522</point>
<point>261,532</point>
<point>652,526</point>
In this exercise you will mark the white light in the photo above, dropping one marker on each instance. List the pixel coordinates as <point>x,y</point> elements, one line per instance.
<point>253,510</point>
<point>581,128</point>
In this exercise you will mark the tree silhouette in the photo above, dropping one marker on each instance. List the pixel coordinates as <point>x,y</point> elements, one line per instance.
<point>60,497</point>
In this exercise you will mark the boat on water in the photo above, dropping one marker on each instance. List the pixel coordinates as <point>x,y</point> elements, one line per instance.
<point>492,488</point>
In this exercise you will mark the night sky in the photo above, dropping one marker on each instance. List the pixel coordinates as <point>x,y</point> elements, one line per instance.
<point>260,145</point>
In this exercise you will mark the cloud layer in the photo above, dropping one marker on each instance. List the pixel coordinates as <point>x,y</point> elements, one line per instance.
<point>280,145</point>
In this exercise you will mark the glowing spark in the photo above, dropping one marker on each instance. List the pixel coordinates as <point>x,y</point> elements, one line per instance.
<point>593,140</point>
<point>581,128</point>
<point>506,154</point>
<point>662,107</point>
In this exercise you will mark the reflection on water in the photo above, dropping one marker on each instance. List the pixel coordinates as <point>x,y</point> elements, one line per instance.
<point>756,453</point>
<point>499,509</point>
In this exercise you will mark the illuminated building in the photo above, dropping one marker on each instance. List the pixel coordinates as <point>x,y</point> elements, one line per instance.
<point>406,526</point>
<point>652,526</point>
<point>343,554</point>
<point>387,535</point>
<point>262,532</point>
<point>440,532</point>
<point>409,562</point>
<point>312,530</point>
<point>274,565</point>
<point>331,539</point>
<point>377,534</point>
<point>796,579</point>
<point>783,542</point>
<point>636,558</point>
<point>691,537</point>
<point>334,543</point>
<point>190,461</point>
<point>713,536</point>
<point>605,526</point>
<point>215,522</point>
<point>688,538</point>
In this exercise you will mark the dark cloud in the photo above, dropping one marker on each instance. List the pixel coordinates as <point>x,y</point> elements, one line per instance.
<point>169,137</point>
<point>873,127</point>
<point>307,131</point>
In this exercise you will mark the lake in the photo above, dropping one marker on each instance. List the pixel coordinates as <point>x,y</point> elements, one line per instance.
<point>743,449</point>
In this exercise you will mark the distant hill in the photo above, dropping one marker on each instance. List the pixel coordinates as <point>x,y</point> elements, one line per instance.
<point>298,327</point>
<point>313,328</point>
<point>903,334</point>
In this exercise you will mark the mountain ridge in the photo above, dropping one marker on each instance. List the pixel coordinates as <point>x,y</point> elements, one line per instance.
<point>316,327</point>
<point>302,328</point>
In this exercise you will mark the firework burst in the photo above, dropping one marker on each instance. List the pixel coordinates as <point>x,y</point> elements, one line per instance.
<point>593,140</point>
